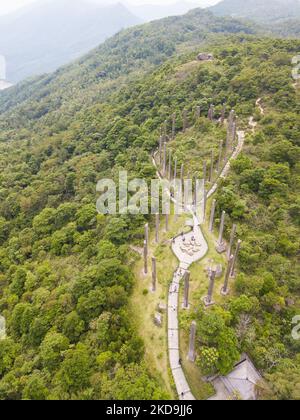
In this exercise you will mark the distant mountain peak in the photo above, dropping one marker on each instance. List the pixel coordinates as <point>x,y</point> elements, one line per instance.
<point>55,32</point>
<point>259,10</point>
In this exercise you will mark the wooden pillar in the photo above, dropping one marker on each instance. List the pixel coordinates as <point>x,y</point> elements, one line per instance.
<point>223,114</point>
<point>160,150</point>
<point>220,244</point>
<point>232,237</point>
<point>204,204</point>
<point>238,247</point>
<point>167,222</point>
<point>224,290</point>
<point>182,174</point>
<point>211,112</point>
<point>234,132</point>
<point>154,274</point>
<point>165,159</point>
<point>219,168</point>
<point>173,126</point>
<point>192,343</point>
<point>157,228</point>
<point>166,130</point>
<point>185,122</point>
<point>204,171</point>
<point>170,165</point>
<point>145,257</point>
<point>212,215</point>
<point>186,290</point>
<point>175,169</point>
<point>211,178</point>
<point>208,300</point>
<point>147,233</point>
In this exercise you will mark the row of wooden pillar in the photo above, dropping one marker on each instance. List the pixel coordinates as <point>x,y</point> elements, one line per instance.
<point>198,113</point>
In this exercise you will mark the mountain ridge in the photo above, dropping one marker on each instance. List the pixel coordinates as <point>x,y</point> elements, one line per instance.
<point>129,51</point>
<point>260,11</point>
<point>54,33</point>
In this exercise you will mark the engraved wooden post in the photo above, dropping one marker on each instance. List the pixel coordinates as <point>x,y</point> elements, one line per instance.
<point>160,150</point>
<point>223,114</point>
<point>238,247</point>
<point>204,171</point>
<point>173,126</point>
<point>192,344</point>
<point>232,236</point>
<point>170,165</point>
<point>224,290</point>
<point>195,192</point>
<point>204,203</point>
<point>231,119</point>
<point>186,194</point>
<point>227,143</point>
<point>154,274</point>
<point>175,169</point>
<point>166,130</point>
<point>212,215</point>
<point>219,168</point>
<point>147,233</point>
<point>211,113</point>
<point>145,257</point>
<point>185,122</point>
<point>208,300</point>
<point>167,222</point>
<point>157,228</point>
<point>182,174</point>
<point>211,178</point>
<point>220,244</point>
<point>165,159</point>
<point>231,125</point>
<point>186,290</point>
<point>234,131</point>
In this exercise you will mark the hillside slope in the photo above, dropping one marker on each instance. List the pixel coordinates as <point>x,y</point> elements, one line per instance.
<point>94,76</point>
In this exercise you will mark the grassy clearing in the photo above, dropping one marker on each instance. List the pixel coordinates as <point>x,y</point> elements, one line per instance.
<point>200,389</point>
<point>198,289</point>
<point>144,302</point>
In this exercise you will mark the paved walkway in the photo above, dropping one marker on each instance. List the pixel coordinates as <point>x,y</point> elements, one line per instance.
<point>188,251</point>
<point>188,248</point>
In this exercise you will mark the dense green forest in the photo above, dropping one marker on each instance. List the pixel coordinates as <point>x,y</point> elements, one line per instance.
<point>66,273</point>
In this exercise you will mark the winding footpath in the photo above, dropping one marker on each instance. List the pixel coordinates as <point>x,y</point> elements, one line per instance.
<point>185,261</point>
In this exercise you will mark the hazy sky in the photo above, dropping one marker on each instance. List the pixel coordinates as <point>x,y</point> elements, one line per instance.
<point>7,6</point>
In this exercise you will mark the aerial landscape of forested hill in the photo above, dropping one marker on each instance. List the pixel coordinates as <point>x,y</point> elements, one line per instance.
<point>78,311</point>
